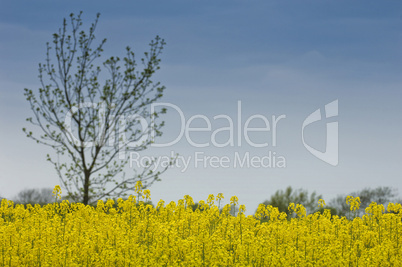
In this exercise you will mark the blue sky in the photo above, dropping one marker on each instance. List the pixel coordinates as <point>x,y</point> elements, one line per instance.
<point>276,57</point>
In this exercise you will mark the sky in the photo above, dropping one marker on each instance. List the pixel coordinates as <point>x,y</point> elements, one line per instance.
<point>272,62</point>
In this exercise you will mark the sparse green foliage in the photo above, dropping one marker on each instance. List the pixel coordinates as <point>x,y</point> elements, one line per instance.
<point>92,112</point>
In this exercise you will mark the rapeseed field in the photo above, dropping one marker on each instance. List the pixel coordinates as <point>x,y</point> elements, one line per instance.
<point>132,233</point>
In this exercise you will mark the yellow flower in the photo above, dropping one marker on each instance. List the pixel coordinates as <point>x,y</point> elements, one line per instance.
<point>242,208</point>
<point>321,203</point>
<point>291,207</point>
<point>354,202</point>
<point>147,194</point>
<point>189,201</point>
<point>234,200</point>
<point>57,192</point>
<point>210,199</point>
<point>138,187</point>
<point>300,210</point>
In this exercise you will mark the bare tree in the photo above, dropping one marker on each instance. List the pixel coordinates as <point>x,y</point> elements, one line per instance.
<point>94,113</point>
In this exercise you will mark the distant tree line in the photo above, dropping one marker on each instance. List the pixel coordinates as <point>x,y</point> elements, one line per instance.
<point>280,199</point>
<point>381,195</point>
<point>43,196</point>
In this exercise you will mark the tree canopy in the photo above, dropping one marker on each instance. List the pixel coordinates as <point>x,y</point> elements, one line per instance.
<point>94,113</point>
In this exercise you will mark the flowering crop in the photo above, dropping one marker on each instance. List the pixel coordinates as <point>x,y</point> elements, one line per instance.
<point>131,233</point>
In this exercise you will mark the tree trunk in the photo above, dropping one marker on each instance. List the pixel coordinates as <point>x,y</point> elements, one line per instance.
<point>86,187</point>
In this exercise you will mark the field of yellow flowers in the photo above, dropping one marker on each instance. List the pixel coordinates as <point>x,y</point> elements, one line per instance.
<point>131,233</point>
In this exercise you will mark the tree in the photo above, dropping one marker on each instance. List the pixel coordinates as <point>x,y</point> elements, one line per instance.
<point>35,196</point>
<point>281,199</point>
<point>95,117</point>
<point>380,195</point>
